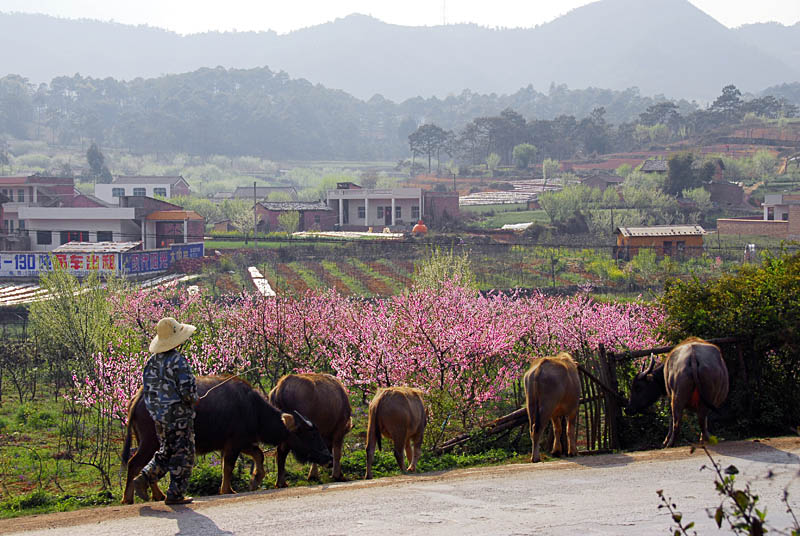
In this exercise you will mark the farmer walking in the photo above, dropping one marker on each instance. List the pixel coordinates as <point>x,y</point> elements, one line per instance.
<point>169,393</point>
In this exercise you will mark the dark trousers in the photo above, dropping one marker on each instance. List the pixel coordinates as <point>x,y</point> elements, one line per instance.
<point>176,451</point>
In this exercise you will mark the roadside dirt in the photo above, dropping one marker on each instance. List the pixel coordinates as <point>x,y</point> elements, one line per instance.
<point>612,466</point>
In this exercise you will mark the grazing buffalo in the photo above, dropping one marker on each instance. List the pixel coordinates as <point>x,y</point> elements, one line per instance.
<point>399,414</point>
<point>692,376</point>
<point>552,391</point>
<point>323,400</point>
<point>233,418</point>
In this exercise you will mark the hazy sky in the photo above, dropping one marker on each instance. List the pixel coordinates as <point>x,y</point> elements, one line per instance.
<point>192,16</point>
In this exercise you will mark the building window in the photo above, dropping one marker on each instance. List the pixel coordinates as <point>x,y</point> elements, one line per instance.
<point>74,236</point>
<point>414,213</point>
<point>21,225</point>
<point>5,225</point>
<point>117,192</point>
<point>162,192</point>
<point>21,196</point>
<point>44,238</point>
<point>785,216</point>
<point>316,218</point>
<point>770,213</point>
<point>362,212</point>
<point>140,192</point>
<point>380,213</point>
<point>398,212</point>
<point>105,236</point>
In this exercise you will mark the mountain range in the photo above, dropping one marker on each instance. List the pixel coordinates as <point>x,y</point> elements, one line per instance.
<point>666,47</point>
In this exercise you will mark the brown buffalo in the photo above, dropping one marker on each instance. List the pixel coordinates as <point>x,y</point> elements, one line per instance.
<point>397,413</point>
<point>323,400</point>
<point>692,376</point>
<point>552,391</point>
<point>233,418</point>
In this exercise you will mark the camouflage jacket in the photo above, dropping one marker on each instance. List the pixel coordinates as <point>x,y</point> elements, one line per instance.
<point>167,380</point>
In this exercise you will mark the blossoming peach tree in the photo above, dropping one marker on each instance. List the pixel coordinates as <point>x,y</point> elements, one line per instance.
<point>465,349</point>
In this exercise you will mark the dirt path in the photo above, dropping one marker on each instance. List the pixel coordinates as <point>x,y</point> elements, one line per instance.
<point>609,494</point>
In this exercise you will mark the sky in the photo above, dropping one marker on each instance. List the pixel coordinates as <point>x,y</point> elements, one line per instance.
<point>282,16</point>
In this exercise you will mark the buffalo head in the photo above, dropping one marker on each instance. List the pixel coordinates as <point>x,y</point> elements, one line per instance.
<point>304,440</point>
<point>647,387</point>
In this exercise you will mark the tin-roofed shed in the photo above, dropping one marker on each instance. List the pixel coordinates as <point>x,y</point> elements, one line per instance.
<point>666,240</point>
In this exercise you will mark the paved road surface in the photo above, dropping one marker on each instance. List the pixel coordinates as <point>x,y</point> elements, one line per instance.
<point>612,494</point>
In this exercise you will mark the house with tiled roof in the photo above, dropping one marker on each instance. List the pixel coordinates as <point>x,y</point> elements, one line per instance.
<point>316,216</point>
<point>665,240</point>
<point>655,166</point>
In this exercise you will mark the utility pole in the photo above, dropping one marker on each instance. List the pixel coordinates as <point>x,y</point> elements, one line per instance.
<point>255,218</point>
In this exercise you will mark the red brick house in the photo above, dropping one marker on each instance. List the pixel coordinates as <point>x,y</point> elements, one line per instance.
<point>313,216</point>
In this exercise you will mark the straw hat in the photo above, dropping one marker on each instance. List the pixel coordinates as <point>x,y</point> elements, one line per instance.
<point>170,334</point>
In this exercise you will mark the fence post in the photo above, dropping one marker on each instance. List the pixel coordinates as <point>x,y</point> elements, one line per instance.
<point>613,411</point>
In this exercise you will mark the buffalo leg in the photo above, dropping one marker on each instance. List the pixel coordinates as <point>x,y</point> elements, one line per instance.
<point>158,495</point>
<point>258,469</point>
<point>557,429</point>
<point>572,434</point>
<point>229,457</point>
<point>135,465</point>
<point>398,453</point>
<point>280,459</point>
<point>675,423</point>
<point>535,422</point>
<point>410,455</point>
<point>702,420</point>
<point>370,458</point>
<point>337,460</point>
<point>416,452</point>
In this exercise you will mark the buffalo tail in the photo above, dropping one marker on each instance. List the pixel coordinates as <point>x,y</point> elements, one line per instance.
<point>697,385</point>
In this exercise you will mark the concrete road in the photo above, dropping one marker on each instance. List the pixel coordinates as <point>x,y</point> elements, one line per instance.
<point>609,494</point>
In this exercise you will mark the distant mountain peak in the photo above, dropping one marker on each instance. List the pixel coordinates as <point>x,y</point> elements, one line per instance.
<point>666,47</point>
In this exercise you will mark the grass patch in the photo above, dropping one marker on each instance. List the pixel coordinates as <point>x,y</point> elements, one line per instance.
<point>487,209</point>
<point>507,218</point>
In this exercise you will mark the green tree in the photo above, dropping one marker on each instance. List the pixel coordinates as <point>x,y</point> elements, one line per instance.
<point>550,168</point>
<point>95,159</point>
<point>624,170</point>
<point>428,140</point>
<point>492,161</point>
<point>289,221</point>
<point>681,175</point>
<point>441,266</point>
<point>524,154</point>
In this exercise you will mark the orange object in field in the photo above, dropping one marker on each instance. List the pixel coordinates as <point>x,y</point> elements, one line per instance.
<point>419,229</point>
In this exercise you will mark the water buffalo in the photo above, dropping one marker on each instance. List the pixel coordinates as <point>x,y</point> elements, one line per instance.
<point>552,391</point>
<point>323,400</point>
<point>692,376</point>
<point>233,418</point>
<point>399,414</point>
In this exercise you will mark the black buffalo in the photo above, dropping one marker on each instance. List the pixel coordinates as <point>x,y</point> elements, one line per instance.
<point>232,419</point>
<point>693,376</point>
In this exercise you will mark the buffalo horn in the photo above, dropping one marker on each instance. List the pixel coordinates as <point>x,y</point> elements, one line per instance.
<point>308,423</point>
<point>651,364</point>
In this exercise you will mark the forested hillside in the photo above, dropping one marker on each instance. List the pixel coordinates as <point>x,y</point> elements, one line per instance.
<point>262,113</point>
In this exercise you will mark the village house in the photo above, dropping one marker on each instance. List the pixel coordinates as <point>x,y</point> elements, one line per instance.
<point>654,166</point>
<point>666,240</point>
<point>602,181</point>
<point>313,216</point>
<point>780,219</point>
<point>84,218</point>
<point>149,186</point>
<point>358,209</point>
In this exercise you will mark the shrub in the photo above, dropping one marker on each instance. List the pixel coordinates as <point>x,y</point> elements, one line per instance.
<point>761,306</point>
